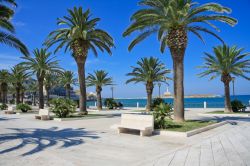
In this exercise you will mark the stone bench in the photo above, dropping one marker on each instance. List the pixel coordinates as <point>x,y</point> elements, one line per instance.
<point>43,114</point>
<point>143,123</point>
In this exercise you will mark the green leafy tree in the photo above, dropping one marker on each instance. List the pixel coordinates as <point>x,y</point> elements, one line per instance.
<point>80,35</point>
<point>99,79</point>
<point>149,71</point>
<point>7,30</point>
<point>225,62</point>
<point>41,64</point>
<point>18,76</point>
<point>67,79</point>
<point>172,21</point>
<point>4,79</point>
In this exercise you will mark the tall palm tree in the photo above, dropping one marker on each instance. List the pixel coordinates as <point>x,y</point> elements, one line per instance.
<point>99,79</point>
<point>7,30</point>
<point>40,65</point>
<point>4,79</point>
<point>80,35</point>
<point>149,71</point>
<point>18,77</point>
<point>67,79</point>
<point>225,62</point>
<point>172,21</point>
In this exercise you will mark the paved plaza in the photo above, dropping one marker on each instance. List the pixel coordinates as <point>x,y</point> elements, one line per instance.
<point>26,141</point>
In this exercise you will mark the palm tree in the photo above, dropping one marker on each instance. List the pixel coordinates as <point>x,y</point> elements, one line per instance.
<point>50,82</point>
<point>41,64</point>
<point>149,71</point>
<point>18,77</point>
<point>67,79</point>
<point>80,35</point>
<point>7,30</point>
<point>4,78</point>
<point>172,21</point>
<point>225,62</point>
<point>99,79</point>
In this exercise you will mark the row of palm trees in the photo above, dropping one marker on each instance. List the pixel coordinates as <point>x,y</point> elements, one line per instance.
<point>171,20</point>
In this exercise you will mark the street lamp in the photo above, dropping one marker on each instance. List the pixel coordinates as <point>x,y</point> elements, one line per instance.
<point>112,91</point>
<point>159,85</point>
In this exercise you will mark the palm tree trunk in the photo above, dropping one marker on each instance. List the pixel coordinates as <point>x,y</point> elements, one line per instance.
<point>149,89</point>
<point>41,96</point>
<point>17,95</point>
<point>81,76</point>
<point>68,91</point>
<point>34,99</point>
<point>228,107</point>
<point>22,97</point>
<point>179,113</point>
<point>177,42</point>
<point>48,96</point>
<point>99,98</point>
<point>1,99</point>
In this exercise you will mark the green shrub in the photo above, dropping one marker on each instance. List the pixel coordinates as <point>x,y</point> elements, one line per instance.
<point>12,101</point>
<point>237,105</point>
<point>110,103</point>
<point>156,102</point>
<point>28,102</point>
<point>63,107</point>
<point>3,107</point>
<point>23,107</point>
<point>161,112</point>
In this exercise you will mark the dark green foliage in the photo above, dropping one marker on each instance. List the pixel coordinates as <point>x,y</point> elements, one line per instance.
<point>63,107</point>
<point>237,105</point>
<point>28,102</point>
<point>23,107</point>
<point>156,102</point>
<point>12,101</point>
<point>110,103</point>
<point>3,107</point>
<point>161,113</point>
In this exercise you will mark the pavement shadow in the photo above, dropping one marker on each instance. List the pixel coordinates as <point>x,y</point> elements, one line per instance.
<point>45,138</point>
<point>6,119</point>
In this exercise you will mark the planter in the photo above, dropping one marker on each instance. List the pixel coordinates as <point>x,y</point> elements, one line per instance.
<point>189,133</point>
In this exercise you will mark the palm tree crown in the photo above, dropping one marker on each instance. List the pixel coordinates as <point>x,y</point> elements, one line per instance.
<point>99,78</point>
<point>4,79</point>
<point>68,78</point>
<point>80,30</point>
<point>225,62</point>
<point>172,19</point>
<point>7,30</point>
<point>149,70</point>
<point>41,63</point>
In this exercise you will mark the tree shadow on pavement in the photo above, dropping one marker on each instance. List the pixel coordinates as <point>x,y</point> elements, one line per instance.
<point>45,138</point>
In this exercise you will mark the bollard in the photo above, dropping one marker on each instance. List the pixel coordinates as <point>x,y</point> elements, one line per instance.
<point>205,104</point>
<point>95,104</point>
<point>137,105</point>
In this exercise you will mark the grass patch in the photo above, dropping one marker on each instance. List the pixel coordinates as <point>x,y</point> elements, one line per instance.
<point>187,125</point>
<point>222,112</point>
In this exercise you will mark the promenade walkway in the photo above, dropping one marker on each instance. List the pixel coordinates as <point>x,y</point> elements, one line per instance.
<point>26,141</point>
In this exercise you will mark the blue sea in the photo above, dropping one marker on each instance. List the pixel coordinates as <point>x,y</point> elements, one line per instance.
<point>216,102</point>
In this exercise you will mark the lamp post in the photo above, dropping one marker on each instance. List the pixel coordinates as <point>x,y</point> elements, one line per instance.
<point>112,91</point>
<point>233,80</point>
<point>159,85</point>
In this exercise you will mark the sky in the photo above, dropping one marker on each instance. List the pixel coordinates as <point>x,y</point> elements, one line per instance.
<point>35,19</point>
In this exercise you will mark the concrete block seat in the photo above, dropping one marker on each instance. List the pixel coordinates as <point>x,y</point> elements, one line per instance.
<point>11,110</point>
<point>143,123</point>
<point>43,114</point>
